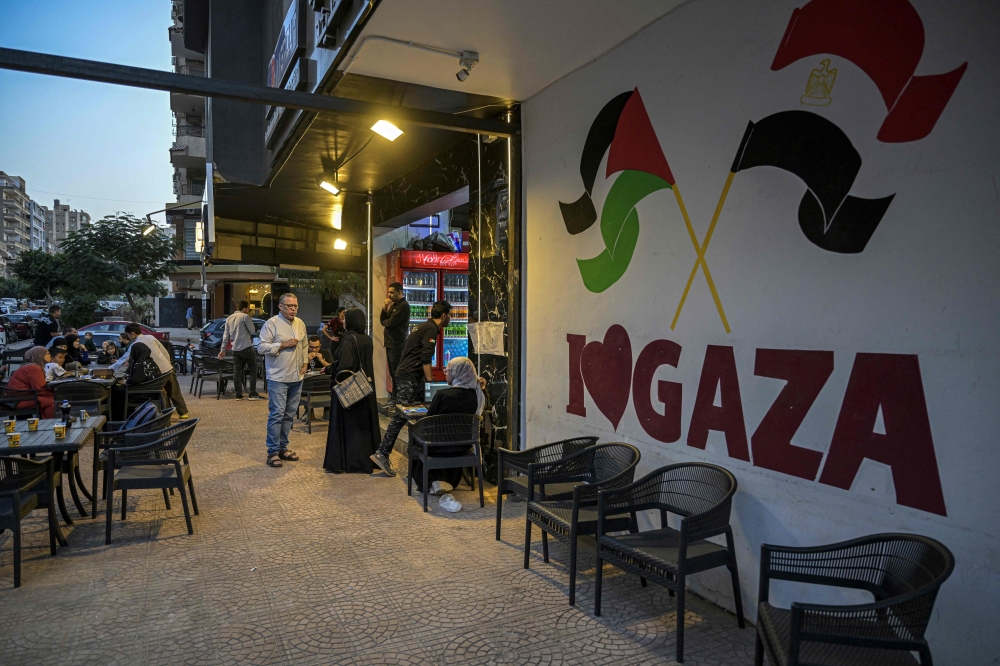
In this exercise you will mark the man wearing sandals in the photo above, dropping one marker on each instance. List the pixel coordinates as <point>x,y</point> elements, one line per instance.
<point>283,343</point>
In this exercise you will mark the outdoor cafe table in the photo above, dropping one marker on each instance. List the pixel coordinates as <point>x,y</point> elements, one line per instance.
<point>43,442</point>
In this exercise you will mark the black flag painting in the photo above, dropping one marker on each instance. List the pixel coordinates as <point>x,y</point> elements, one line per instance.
<point>818,152</point>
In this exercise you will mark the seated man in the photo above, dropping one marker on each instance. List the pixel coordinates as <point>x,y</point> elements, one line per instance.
<point>464,396</point>
<point>319,358</point>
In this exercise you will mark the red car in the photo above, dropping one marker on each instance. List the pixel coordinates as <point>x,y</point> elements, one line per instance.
<point>119,327</point>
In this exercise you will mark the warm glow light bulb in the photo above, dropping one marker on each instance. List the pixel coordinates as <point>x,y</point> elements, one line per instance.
<point>338,222</point>
<point>339,245</point>
<point>329,187</point>
<point>387,129</point>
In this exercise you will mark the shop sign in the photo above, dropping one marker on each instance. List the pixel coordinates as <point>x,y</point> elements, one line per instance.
<point>303,76</point>
<point>458,261</point>
<point>291,43</point>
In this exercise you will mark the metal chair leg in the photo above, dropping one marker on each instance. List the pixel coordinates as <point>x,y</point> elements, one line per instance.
<point>184,503</point>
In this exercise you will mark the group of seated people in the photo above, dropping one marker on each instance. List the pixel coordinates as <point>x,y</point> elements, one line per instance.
<point>66,353</point>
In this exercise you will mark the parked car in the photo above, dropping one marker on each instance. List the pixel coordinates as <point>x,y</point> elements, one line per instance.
<point>10,329</point>
<point>119,327</point>
<point>34,314</point>
<point>24,324</point>
<point>4,338</point>
<point>211,333</point>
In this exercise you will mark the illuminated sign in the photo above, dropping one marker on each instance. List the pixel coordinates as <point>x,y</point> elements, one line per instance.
<point>458,261</point>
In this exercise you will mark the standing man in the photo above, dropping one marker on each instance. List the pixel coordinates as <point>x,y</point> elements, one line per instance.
<point>190,318</point>
<point>395,317</point>
<point>413,370</point>
<point>133,332</point>
<point>239,330</point>
<point>334,330</point>
<point>283,342</point>
<point>48,326</point>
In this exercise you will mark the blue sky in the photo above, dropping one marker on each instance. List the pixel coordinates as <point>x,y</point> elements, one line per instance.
<point>72,139</point>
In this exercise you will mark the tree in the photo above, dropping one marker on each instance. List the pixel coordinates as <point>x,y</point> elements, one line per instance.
<point>43,273</point>
<point>117,258</point>
<point>13,288</point>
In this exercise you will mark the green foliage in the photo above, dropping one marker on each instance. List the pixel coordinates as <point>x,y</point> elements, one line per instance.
<point>330,284</point>
<point>13,288</point>
<point>41,272</point>
<point>117,258</point>
<point>79,309</point>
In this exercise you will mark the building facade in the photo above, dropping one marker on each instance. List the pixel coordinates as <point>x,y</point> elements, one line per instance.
<point>62,220</point>
<point>39,236</point>
<point>17,215</point>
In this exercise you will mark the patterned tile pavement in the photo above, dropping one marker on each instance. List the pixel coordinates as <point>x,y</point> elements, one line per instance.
<point>295,566</point>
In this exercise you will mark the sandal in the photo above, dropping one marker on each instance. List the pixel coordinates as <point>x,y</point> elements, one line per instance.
<point>274,461</point>
<point>287,455</point>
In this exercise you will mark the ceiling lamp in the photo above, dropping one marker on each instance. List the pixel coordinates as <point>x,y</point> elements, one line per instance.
<point>339,245</point>
<point>329,187</point>
<point>338,219</point>
<point>387,129</point>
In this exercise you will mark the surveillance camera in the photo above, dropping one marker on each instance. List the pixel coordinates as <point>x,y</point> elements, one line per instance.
<point>466,61</point>
<point>462,75</point>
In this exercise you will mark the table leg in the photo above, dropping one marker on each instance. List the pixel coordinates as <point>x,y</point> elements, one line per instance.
<point>57,463</point>
<point>79,482</point>
<point>61,497</point>
<point>73,475</point>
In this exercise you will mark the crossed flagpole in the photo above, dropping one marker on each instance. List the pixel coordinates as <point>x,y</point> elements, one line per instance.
<point>701,249</point>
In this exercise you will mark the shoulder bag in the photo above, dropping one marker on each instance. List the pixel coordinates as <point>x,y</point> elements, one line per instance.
<point>355,386</point>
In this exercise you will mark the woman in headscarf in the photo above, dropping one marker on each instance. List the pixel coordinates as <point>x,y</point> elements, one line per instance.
<point>463,396</point>
<point>141,367</point>
<point>75,351</point>
<point>31,377</point>
<point>354,433</point>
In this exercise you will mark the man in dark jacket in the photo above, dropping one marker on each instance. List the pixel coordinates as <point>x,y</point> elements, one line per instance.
<point>48,326</point>
<point>395,317</point>
<point>413,370</point>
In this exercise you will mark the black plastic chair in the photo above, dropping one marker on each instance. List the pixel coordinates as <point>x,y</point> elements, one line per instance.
<point>10,399</point>
<point>902,571</point>
<point>13,357</point>
<point>22,484</point>
<point>446,430</point>
<point>114,435</point>
<point>316,392</point>
<point>197,369</point>
<point>214,370</point>
<point>94,397</point>
<point>154,391</point>
<point>512,471</point>
<point>600,467</point>
<point>702,494</point>
<point>179,356</point>
<point>156,459</point>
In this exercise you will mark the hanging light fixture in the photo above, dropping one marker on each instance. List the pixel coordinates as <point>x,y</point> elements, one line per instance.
<point>339,244</point>
<point>329,187</point>
<point>387,129</point>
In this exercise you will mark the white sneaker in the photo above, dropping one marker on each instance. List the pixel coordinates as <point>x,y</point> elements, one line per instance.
<point>441,487</point>
<point>450,504</point>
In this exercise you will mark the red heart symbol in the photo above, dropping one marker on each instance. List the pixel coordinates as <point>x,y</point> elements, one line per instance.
<point>607,372</point>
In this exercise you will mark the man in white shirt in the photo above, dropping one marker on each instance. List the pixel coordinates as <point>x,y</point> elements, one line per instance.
<point>162,359</point>
<point>239,330</point>
<point>283,343</point>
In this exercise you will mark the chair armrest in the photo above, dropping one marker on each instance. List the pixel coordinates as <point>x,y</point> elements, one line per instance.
<point>570,468</point>
<point>586,494</point>
<point>868,624</point>
<point>709,523</point>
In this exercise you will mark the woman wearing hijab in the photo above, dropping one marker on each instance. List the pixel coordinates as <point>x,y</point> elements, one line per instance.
<point>463,396</point>
<point>75,351</point>
<point>354,433</point>
<point>141,367</point>
<point>108,354</point>
<point>31,377</point>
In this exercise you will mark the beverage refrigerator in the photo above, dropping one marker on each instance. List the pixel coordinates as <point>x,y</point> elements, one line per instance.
<point>433,276</point>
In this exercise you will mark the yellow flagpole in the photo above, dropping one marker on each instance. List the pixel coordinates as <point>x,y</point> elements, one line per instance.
<point>701,249</point>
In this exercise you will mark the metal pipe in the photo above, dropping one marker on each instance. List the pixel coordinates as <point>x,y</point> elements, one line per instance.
<point>139,77</point>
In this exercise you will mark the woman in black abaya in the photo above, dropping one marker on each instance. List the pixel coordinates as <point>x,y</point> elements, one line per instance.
<point>354,432</point>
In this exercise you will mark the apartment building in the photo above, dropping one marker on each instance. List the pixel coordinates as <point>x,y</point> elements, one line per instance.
<point>62,220</point>
<point>16,215</point>
<point>39,237</point>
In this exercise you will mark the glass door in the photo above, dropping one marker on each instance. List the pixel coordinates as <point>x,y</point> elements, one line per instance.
<point>456,335</point>
<point>421,289</point>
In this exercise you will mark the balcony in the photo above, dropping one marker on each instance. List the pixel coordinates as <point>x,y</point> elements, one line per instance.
<point>191,70</point>
<point>188,152</point>
<point>190,130</point>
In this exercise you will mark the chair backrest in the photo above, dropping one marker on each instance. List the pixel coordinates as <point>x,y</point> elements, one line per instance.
<point>153,385</point>
<point>449,429</point>
<point>86,392</point>
<point>165,443</point>
<point>18,473</point>
<point>318,384</point>
<point>563,448</point>
<point>611,459</point>
<point>689,489</point>
<point>143,414</point>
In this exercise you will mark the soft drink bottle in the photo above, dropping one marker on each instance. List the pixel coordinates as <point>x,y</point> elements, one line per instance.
<point>64,408</point>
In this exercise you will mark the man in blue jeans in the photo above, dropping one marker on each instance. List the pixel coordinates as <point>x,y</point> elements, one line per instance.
<point>283,343</point>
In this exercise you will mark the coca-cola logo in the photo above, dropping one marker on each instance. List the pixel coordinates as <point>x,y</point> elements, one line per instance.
<point>417,259</point>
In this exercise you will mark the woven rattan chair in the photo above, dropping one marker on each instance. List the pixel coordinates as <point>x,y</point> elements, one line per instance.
<point>114,435</point>
<point>702,495</point>
<point>600,467</point>
<point>512,471</point>
<point>22,484</point>
<point>446,430</point>
<point>902,571</point>
<point>10,399</point>
<point>154,391</point>
<point>315,393</point>
<point>156,459</point>
<point>214,370</point>
<point>95,398</point>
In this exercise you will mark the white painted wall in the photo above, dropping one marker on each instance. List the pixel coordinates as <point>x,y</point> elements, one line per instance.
<point>382,246</point>
<point>928,283</point>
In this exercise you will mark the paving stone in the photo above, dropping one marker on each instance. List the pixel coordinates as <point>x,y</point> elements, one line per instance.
<point>296,566</point>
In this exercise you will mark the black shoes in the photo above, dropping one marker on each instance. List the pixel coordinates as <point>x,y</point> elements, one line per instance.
<point>383,463</point>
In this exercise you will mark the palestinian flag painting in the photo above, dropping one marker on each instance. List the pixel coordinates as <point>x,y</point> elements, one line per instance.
<point>622,126</point>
